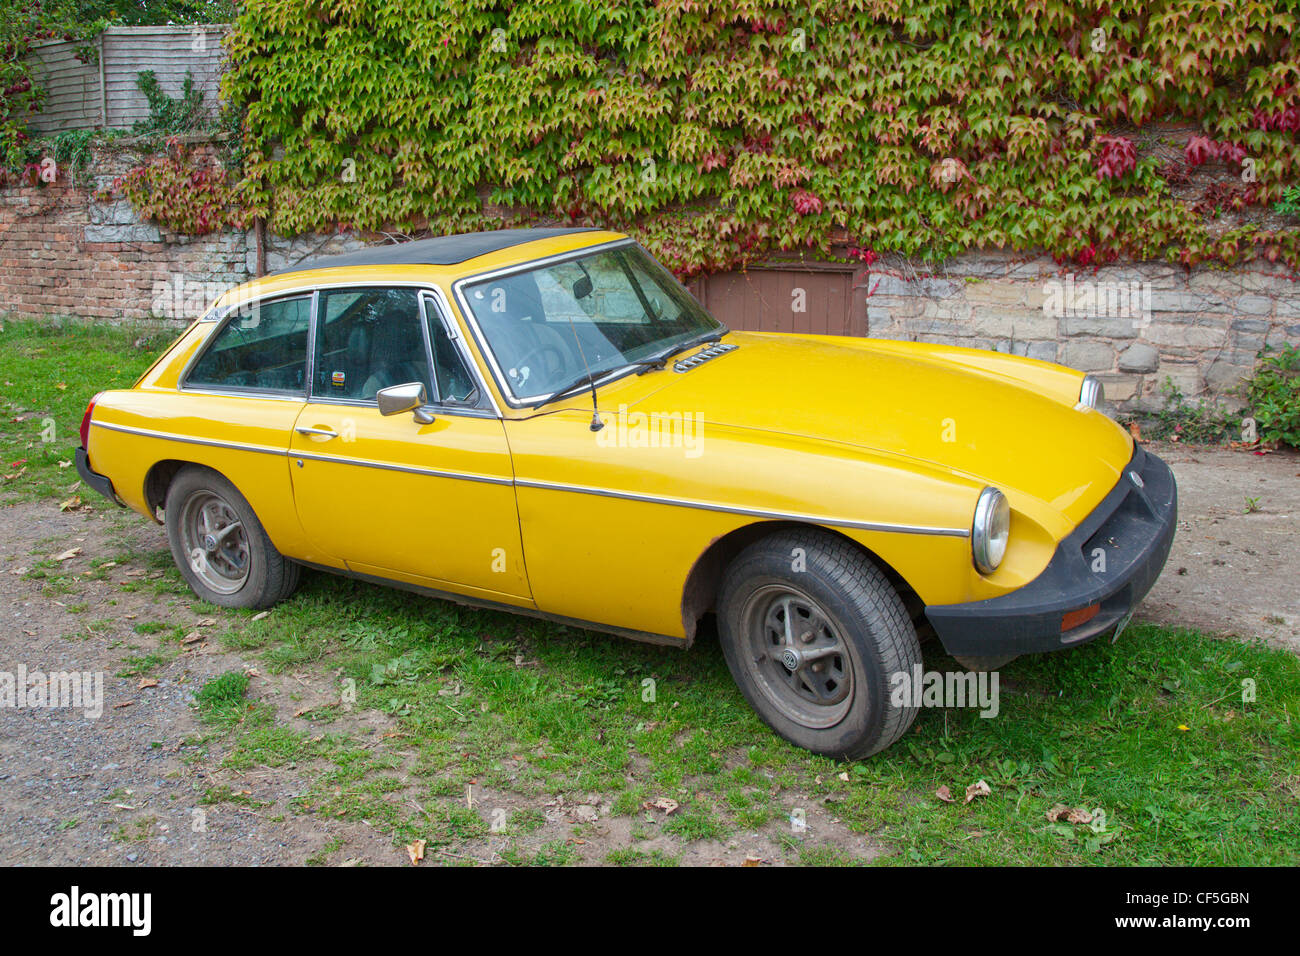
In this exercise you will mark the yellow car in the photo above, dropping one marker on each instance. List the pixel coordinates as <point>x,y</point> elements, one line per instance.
<point>545,421</point>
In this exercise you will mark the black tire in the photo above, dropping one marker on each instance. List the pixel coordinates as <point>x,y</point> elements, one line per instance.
<point>838,586</point>
<point>243,569</point>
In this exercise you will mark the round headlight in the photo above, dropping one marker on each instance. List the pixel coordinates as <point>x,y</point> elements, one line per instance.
<point>1091,393</point>
<point>990,530</point>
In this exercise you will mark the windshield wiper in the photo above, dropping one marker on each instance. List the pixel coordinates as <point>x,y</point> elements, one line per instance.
<point>586,378</point>
<point>657,362</point>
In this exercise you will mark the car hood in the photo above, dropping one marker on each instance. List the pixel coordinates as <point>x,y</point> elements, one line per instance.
<point>936,406</point>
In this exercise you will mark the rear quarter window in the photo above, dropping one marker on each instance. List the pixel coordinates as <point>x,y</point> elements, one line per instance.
<point>261,348</point>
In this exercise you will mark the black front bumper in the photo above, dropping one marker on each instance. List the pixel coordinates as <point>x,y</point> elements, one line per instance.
<point>1111,559</point>
<point>100,483</point>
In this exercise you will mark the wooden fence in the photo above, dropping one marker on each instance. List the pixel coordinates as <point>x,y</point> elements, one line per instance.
<point>102,91</point>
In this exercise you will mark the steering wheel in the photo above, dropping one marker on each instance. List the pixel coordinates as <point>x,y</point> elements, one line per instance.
<point>537,351</point>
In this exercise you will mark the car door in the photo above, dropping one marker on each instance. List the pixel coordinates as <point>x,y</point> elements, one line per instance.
<point>237,403</point>
<point>430,503</point>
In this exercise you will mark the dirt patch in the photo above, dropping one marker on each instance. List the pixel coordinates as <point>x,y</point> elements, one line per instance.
<point>129,786</point>
<point>1235,563</point>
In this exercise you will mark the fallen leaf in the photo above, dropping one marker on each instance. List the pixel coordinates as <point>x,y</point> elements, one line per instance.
<point>207,621</point>
<point>125,703</point>
<point>72,504</point>
<point>1183,727</point>
<point>260,615</point>
<point>751,861</point>
<point>65,464</point>
<point>192,637</point>
<point>1070,814</point>
<point>665,804</point>
<point>66,555</point>
<point>979,788</point>
<point>416,851</point>
<point>944,794</point>
<point>147,682</point>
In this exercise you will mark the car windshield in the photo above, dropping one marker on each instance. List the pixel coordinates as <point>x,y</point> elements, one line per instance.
<point>548,326</point>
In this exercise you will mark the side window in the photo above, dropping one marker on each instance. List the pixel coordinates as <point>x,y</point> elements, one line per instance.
<point>262,348</point>
<point>368,339</point>
<point>456,385</point>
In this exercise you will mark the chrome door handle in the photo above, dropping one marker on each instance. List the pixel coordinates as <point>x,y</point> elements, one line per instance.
<point>322,432</point>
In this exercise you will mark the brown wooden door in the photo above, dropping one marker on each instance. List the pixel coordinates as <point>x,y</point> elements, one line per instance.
<point>821,301</point>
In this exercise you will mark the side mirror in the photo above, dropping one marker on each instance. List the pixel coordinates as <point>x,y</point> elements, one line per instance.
<point>410,397</point>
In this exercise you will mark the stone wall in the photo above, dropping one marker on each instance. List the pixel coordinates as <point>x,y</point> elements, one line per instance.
<point>1132,325</point>
<point>65,252</point>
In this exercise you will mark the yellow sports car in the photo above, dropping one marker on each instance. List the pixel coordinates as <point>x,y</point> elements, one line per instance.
<point>545,421</point>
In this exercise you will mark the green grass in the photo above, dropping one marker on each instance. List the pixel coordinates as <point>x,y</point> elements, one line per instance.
<point>48,372</point>
<point>221,699</point>
<point>1098,728</point>
<point>1153,731</point>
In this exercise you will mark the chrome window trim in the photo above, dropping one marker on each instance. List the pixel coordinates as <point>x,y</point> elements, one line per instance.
<point>458,288</point>
<point>311,341</point>
<point>443,315</point>
<point>312,398</point>
<point>428,349</point>
<point>231,391</point>
<point>462,411</point>
<point>235,393</point>
<point>422,288</point>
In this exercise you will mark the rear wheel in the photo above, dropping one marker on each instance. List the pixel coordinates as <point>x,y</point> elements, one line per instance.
<point>219,545</point>
<point>813,633</point>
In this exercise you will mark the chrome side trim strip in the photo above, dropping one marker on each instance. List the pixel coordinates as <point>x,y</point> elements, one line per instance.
<point>208,442</point>
<point>556,486</point>
<point>749,512</point>
<point>408,469</point>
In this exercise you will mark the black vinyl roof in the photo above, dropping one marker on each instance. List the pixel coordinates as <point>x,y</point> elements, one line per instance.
<point>438,251</point>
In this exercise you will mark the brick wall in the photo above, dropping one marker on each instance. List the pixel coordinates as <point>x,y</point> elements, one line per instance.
<point>64,252</point>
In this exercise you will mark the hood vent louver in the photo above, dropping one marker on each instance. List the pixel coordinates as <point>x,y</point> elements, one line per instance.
<point>704,355</point>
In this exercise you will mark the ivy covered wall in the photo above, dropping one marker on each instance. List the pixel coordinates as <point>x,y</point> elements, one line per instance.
<point>720,133</point>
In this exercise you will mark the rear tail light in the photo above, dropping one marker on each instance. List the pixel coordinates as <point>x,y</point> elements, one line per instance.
<point>85,422</point>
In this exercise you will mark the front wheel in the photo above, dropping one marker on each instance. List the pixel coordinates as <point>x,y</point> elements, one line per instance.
<point>219,545</point>
<point>814,635</point>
